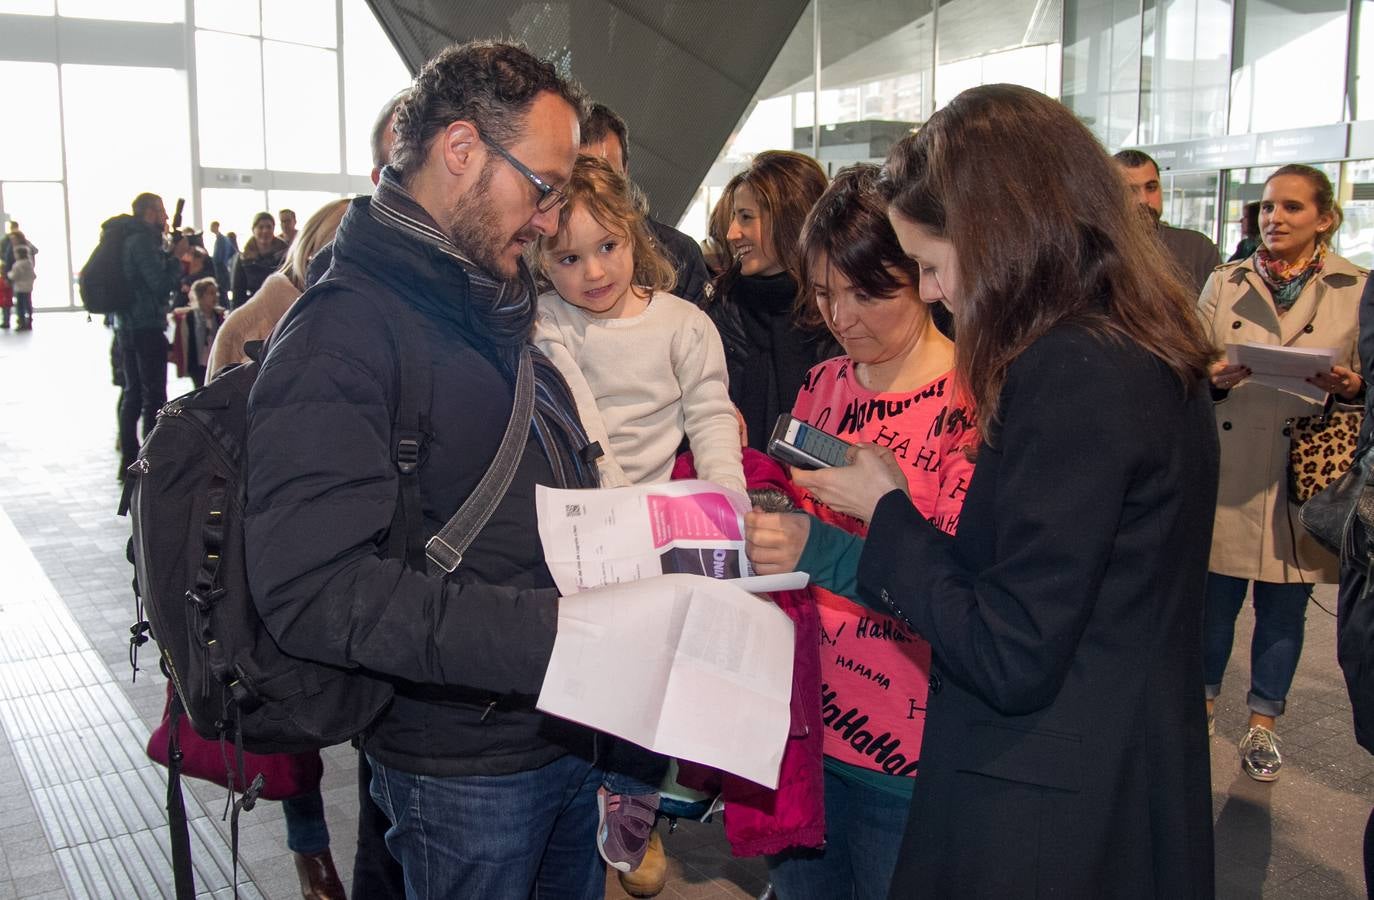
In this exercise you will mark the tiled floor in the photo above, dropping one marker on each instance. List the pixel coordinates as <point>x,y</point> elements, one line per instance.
<point>81,808</point>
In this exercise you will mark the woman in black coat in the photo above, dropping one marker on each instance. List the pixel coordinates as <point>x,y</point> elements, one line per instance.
<point>1065,752</point>
<point>754,303</point>
<point>263,255</point>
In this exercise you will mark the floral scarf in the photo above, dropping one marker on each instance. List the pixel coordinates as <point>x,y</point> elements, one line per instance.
<point>1286,281</point>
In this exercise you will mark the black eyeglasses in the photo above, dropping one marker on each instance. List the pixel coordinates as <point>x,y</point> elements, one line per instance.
<point>550,197</point>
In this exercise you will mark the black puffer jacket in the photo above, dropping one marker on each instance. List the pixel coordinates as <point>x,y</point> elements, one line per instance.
<point>767,355</point>
<point>467,653</point>
<point>252,266</point>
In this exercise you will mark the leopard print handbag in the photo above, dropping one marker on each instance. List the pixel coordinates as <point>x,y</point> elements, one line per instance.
<point>1320,449</point>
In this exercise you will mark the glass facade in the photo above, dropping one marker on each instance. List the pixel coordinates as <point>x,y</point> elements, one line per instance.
<point>1221,92</point>
<point>856,75</point>
<point>1184,69</point>
<point>241,106</point>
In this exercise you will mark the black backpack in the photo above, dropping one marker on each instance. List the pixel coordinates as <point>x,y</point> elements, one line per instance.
<point>104,287</point>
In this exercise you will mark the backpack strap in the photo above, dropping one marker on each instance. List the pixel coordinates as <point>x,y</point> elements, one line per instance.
<point>183,876</point>
<point>443,552</point>
<point>409,426</point>
<point>445,549</point>
<point>406,540</point>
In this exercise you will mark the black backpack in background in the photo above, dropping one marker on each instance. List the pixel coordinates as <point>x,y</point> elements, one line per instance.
<point>104,287</point>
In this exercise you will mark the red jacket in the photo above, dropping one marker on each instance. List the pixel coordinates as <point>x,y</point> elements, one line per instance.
<point>759,820</point>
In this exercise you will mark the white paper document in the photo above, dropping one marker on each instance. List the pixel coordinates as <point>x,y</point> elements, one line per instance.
<point>608,536</point>
<point>688,666</point>
<point>1283,368</point>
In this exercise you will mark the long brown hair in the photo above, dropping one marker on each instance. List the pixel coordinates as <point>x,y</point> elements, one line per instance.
<point>1044,233</point>
<point>610,199</point>
<point>786,184</point>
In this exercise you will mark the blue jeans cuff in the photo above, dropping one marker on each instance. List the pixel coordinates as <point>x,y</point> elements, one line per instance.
<point>1263,705</point>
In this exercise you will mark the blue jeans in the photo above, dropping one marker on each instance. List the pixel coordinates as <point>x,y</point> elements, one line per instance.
<point>863,835</point>
<point>1280,619</point>
<point>631,769</point>
<point>504,837</point>
<point>306,829</point>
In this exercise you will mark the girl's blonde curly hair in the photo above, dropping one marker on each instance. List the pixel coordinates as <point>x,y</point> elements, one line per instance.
<point>613,201</point>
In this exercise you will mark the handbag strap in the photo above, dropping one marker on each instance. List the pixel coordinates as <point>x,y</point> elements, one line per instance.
<point>445,550</point>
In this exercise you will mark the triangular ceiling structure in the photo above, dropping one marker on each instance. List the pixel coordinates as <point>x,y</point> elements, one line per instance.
<point>680,72</point>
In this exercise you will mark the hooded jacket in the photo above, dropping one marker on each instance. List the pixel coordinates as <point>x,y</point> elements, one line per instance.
<point>151,273</point>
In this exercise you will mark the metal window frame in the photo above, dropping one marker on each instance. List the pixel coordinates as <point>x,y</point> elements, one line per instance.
<point>183,59</point>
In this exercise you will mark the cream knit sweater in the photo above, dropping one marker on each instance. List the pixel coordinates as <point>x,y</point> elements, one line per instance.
<point>642,383</point>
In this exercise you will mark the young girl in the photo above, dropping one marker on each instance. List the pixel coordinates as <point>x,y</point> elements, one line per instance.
<point>202,325</point>
<point>21,278</point>
<point>646,369</point>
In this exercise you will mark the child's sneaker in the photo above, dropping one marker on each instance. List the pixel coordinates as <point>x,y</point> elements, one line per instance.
<point>622,833</point>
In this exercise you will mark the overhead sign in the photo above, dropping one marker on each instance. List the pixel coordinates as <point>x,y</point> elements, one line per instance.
<point>1238,151</point>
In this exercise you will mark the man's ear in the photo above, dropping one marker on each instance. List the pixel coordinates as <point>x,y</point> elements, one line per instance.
<point>458,144</point>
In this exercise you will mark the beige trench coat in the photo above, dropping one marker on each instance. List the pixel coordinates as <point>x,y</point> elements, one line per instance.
<point>1255,524</point>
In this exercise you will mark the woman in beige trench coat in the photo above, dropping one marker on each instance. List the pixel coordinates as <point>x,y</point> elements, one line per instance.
<point>1293,292</point>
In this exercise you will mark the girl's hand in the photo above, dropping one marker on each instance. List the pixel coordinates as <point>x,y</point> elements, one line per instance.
<point>856,488</point>
<point>774,541</point>
<point>1344,383</point>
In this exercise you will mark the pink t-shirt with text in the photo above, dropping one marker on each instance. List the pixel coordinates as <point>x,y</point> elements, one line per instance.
<point>875,672</point>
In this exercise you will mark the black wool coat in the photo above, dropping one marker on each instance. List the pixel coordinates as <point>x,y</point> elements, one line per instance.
<point>1065,751</point>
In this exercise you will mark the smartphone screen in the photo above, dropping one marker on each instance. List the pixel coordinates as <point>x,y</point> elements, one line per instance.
<point>825,447</point>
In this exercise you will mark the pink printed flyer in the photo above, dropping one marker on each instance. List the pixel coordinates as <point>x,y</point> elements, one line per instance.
<point>612,535</point>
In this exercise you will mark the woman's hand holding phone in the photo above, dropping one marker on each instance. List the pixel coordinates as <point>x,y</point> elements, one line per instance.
<point>855,489</point>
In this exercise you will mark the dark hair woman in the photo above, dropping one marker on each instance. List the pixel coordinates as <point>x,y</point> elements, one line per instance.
<point>261,256</point>
<point>766,352</point>
<point>1292,292</point>
<point>1065,750</point>
<point>894,383</point>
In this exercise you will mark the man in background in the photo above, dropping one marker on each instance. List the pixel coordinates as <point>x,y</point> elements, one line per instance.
<point>1194,252</point>
<point>287,219</point>
<point>152,271</point>
<point>605,134</point>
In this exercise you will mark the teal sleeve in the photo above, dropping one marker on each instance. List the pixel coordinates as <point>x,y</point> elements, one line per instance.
<point>831,558</point>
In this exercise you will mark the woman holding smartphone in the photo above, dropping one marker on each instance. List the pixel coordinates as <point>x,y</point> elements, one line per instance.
<point>894,384</point>
<point>1066,751</point>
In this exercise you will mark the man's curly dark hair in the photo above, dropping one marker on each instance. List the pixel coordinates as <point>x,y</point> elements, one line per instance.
<point>487,83</point>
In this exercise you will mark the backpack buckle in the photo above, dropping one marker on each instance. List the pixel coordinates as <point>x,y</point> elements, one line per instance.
<point>443,554</point>
<point>407,455</point>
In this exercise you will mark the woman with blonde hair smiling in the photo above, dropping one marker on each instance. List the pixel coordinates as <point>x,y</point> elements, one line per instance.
<point>255,320</point>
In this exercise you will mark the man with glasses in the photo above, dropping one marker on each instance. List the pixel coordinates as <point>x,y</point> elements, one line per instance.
<point>486,796</point>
